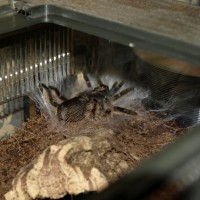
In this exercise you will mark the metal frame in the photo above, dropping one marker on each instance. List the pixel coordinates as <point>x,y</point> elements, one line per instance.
<point>112,29</point>
<point>168,164</point>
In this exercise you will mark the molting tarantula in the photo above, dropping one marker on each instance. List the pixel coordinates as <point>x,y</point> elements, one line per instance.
<point>95,103</point>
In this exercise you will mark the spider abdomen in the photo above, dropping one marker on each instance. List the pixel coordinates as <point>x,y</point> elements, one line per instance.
<point>72,110</point>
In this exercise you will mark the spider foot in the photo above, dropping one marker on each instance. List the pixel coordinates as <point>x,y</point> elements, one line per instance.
<point>124,110</point>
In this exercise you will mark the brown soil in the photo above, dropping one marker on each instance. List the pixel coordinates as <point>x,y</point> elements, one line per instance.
<point>144,134</point>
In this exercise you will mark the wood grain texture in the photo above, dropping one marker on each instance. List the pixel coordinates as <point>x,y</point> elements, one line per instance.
<point>3,2</point>
<point>168,18</point>
<point>192,2</point>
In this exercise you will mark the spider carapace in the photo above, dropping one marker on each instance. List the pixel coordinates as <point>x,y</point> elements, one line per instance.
<point>96,103</point>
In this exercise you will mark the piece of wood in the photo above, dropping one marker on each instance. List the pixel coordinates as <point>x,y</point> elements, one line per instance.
<point>3,2</point>
<point>73,166</point>
<point>168,18</point>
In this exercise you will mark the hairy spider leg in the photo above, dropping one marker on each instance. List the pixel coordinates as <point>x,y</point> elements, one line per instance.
<point>87,80</point>
<point>99,81</point>
<point>95,108</point>
<point>122,93</point>
<point>50,97</point>
<point>99,111</point>
<point>124,110</point>
<point>116,87</point>
<point>56,95</point>
<point>97,72</point>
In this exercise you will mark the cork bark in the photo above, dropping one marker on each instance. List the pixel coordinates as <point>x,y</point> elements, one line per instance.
<point>73,166</point>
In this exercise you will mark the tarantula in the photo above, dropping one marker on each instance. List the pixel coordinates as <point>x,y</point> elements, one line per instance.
<point>95,103</point>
